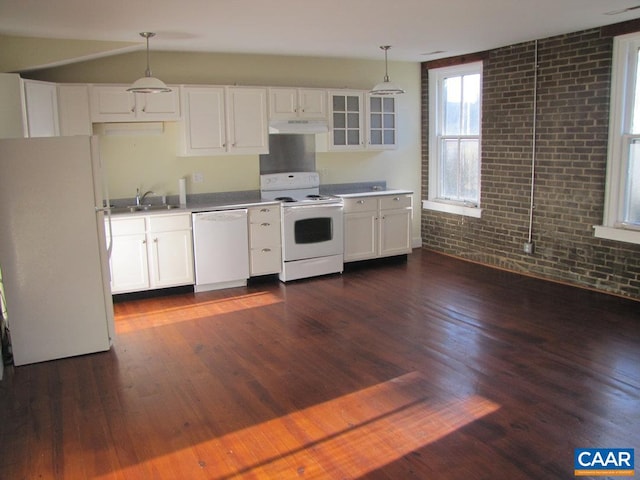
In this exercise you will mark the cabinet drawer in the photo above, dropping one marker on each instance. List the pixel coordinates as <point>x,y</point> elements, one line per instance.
<point>265,260</point>
<point>167,223</point>
<point>360,204</point>
<point>126,226</point>
<point>268,213</point>
<point>390,202</point>
<point>264,234</point>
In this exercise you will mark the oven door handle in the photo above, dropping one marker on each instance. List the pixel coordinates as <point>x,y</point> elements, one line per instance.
<point>322,205</point>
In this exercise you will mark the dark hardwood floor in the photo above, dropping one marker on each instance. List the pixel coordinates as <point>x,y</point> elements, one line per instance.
<point>431,368</point>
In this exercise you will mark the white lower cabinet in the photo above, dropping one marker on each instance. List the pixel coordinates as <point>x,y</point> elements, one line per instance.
<point>264,240</point>
<point>151,251</point>
<point>377,226</point>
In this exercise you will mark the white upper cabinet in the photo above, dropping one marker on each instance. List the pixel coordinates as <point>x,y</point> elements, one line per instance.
<point>346,126</point>
<point>290,103</point>
<point>73,110</point>
<point>248,130</point>
<point>203,126</point>
<point>381,122</point>
<point>224,120</point>
<point>113,103</point>
<point>41,101</point>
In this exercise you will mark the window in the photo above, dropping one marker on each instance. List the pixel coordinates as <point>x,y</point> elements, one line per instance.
<point>455,106</point>
<point>622,196</point>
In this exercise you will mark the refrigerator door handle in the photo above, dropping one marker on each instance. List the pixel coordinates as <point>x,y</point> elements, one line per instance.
<point>107,210</point>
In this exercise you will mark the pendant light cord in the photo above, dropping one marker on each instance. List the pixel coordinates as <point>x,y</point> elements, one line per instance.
<point>533,139</point>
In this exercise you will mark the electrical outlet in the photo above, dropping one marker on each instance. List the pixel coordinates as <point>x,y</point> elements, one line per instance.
<point>528,247</point>
<point>197,177</point>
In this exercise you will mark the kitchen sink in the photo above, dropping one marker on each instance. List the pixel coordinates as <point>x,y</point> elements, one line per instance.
<point>143,208</point>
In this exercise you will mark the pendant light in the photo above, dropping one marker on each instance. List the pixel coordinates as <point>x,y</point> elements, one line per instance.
<point>148,84</point>
<point>386,87</point>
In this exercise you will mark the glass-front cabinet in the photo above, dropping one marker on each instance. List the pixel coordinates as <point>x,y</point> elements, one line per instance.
<point>346,129</point>
<point>381,118</point>
<point>360,121</point>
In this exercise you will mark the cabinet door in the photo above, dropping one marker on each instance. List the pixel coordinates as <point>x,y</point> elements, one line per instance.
<point>346,117</point>
<point>360,236</point>
<point>381,121</point>
<point>247,126</point>
<point>395,232</point>
<point>204,121</point>
<point>112,104</point>
<point>42,109</point>
<point>74,110</point>
<point>158,106</point>
<point>170,258</point>
<point>283,103</point>
<point>312,103</point>
<point>129,267</point>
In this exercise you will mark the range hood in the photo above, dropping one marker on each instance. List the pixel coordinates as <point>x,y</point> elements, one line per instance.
<point>298,126</point>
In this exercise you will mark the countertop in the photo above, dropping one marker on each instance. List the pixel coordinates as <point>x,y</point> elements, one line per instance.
<point>246,199</point>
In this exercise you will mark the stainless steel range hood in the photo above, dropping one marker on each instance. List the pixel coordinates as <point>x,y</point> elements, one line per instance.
<point>296,126</point>
<point>289,153</point>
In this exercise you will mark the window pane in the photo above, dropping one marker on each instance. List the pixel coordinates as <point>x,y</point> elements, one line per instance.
<point>469,169</point>
<point>339,137</point>
<point>376,137</point>
<point>452,98</point>
<point>450,157</point>
<point>376,120</point>
<point>635,127</point>
<point>353,137</point>
<point>389,121</point>
<point>353,120</point>
<point>338,103</point>
<point>389,137</point>
<point>632,214</point>
<point>471,105</point>
<point>339,121</point>
<point>376,104</point>
<point>353,104</point>
<point>389,104</point>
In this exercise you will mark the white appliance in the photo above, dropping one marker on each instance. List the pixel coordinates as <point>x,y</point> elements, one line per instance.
<point>312,225</point>
<point>52,249</point>
<point>215,234</point>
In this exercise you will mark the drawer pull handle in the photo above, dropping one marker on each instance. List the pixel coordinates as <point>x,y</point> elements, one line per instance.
<point>266,250</point>
<point>360,202</point>
<point>265,224</point>
<point>264,210</point>
<point>396,199</point>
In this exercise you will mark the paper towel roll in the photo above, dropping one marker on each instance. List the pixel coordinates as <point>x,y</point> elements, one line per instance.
<point>182,188</point>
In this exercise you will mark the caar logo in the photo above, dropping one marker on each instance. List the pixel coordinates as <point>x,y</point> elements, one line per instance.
<point>611,462</point>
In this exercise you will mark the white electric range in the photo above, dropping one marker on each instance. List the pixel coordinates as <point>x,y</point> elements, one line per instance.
<point>312,224</point>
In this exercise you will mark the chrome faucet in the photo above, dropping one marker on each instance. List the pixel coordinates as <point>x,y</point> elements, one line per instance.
<point>140,199</point>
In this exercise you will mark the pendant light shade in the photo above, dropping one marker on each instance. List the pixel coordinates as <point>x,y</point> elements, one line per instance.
<point>386,87</point>
<point>148,83</point>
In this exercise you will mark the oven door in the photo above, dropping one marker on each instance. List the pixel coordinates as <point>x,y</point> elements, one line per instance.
<point>310,231</point>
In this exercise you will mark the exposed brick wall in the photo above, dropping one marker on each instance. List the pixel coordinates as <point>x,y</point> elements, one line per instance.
<point>571,150</point>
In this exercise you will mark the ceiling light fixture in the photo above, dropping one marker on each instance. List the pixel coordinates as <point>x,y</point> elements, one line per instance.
<point>148,84</point>
<point>386,87</point>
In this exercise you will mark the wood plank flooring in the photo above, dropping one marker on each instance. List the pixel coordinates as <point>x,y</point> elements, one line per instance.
<point>431,368</point>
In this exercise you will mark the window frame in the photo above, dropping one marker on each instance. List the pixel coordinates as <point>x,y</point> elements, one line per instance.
<point>623,83</point>
<point>435,201</point>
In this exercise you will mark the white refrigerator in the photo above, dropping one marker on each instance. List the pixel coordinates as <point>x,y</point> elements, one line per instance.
<point>53,252</point>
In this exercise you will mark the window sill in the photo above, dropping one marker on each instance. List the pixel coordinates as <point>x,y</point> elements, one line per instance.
<point>475,212</point>
<point>618,234</point>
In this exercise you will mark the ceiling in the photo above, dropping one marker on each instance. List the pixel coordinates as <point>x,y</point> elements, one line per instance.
<point>335,28</point>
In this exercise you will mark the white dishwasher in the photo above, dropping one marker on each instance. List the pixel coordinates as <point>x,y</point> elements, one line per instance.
<point>220,249</point>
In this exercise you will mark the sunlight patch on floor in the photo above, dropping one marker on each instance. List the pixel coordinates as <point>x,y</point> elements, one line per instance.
<point>346,437</point>
<point>126,323</point>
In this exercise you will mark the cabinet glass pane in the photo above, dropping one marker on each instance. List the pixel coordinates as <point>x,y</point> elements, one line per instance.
<point>376,137</point>
<point>389,105</point>
<point>389,137</point>
<point>353,104</point>
<point>338,103</point>
<point>389,121</point>
<point>376,120</point>
<point>339,137</point>
<point>353,120</point>
<point>376,104</point>
<point>339,120</point>
<point>353,137</point>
